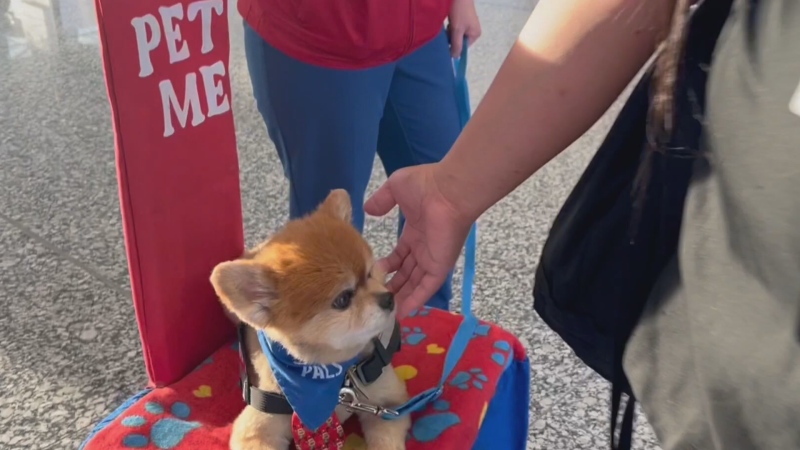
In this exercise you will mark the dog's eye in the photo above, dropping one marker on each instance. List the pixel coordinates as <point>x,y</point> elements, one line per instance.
<point>343,301</point>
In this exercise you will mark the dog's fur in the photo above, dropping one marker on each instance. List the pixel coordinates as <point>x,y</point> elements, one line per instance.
<point>286,287</point>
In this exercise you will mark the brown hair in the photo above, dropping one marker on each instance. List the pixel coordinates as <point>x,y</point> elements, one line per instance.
<point>661,112</point>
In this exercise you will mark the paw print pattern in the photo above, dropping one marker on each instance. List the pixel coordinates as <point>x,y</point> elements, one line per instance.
<point>429,427</point>
<point>481,330</point>
<point>412,336</point>
<point>474,377</point>
<point>441,405</point>
<point>422,312</point>
<point>166,433</point>
<point>502,353</point>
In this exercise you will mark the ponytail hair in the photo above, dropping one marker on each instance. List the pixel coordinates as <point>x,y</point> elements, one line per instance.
<point>661,113</point>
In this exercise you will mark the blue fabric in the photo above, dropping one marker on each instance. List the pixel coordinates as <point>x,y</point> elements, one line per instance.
<point>311,389</point>
<point>328,125</point>
<point>505,425</point>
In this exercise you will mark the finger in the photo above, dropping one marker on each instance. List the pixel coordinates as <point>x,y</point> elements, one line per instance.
<point>380,202</point>
<point>456,41</point>
<point>401,278</point>
<point>392,262</point>
<point>389,264</point>
<point>405,297</point>
<point>411,284</point>
<point>424,290</point>
<point>472,35</point>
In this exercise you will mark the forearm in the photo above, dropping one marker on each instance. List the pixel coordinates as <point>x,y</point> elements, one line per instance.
<point>571,61</point>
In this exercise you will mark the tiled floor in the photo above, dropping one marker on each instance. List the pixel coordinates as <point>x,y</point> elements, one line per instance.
<point>70,350</point>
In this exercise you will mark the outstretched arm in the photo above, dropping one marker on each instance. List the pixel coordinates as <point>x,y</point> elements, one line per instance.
<point>571,61</point>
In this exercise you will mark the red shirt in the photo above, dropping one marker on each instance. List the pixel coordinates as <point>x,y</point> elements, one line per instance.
<point>345,34</point>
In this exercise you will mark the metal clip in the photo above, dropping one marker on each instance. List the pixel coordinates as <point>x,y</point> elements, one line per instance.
<point>349,399</point>
<point>351,381</point>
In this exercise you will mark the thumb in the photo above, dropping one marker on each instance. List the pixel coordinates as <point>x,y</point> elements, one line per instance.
<point>380,202</point>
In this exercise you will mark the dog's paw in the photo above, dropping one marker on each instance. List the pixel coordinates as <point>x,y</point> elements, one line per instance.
<point>354,442</point>
<point>382,446</point>
<point>168,430</point>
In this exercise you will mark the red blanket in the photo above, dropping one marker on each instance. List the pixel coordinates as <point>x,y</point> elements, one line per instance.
<point>197,411</point>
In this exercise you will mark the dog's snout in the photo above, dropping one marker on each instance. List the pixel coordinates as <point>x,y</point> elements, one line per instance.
<point>386,301</point>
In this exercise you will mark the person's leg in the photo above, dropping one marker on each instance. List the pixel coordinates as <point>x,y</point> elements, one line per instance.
<point>420,121</point>
<point>324,123</point>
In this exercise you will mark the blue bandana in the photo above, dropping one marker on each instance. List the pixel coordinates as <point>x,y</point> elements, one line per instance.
<point>311,389</point>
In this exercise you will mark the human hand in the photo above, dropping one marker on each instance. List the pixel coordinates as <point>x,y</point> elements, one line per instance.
<point>462,22</point>
<point>432,237</point>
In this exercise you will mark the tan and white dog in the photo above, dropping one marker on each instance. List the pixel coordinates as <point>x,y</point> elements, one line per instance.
<point>313,289</point>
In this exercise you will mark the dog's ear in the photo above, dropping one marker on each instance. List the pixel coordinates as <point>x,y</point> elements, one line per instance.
<point>247,289</point>
<point>338,204</point>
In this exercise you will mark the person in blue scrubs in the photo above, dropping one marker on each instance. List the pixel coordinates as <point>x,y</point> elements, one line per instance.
<point>328,123</point>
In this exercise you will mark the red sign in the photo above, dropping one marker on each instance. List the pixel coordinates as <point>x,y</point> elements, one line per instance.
<point>166,70</point>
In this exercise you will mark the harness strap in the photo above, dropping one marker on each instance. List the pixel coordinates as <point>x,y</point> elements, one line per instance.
<point>367,371</point>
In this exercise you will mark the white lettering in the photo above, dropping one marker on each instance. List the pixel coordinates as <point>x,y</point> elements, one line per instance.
<point>319,372</point>
<point>204,7</point>
<point>794,103</point>
<point>325,373</point>
<point>191,102</point>
<point>172,32</point>
<point>144,45</point>
<point>216,99</point>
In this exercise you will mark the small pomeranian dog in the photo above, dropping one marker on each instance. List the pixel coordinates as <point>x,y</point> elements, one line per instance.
<point>310,305</point>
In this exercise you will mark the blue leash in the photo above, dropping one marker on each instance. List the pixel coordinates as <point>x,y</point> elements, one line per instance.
<point>462,89</point>
<point>468,325</point>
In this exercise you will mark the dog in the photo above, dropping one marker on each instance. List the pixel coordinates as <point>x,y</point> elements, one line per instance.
<point>312,290</point>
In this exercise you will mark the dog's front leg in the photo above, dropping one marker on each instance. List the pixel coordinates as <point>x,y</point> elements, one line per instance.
<point>383,434</point>
<point>380,434</point>
<point>254,430</point>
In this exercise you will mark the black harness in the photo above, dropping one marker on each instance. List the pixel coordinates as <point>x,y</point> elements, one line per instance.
<point>366,372</point>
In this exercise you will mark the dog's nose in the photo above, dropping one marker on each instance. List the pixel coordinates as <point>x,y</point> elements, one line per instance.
<point>386,301</point>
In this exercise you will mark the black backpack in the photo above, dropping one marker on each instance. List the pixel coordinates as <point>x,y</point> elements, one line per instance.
<point>596,271</point>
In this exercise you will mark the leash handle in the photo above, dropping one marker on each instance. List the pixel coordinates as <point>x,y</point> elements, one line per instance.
<point>462,89</point>
<point>469,323</point>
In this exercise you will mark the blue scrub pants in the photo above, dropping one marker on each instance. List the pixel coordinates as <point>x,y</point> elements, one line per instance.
<point>327,124</point>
